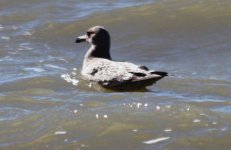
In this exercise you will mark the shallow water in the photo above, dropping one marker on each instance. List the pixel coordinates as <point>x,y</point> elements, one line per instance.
<point>46,105</point>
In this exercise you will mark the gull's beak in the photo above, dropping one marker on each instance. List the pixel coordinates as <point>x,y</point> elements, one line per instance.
<point>81,39</point>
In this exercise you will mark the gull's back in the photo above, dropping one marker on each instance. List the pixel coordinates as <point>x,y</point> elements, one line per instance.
<point>113,74</point>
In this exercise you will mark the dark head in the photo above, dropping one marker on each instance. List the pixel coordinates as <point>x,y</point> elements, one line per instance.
<point>98,37</point>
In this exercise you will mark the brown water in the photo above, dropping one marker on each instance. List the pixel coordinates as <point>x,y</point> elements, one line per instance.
<point>190,110</point>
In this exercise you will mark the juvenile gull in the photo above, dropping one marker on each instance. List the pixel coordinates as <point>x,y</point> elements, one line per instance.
<point>100,68</point>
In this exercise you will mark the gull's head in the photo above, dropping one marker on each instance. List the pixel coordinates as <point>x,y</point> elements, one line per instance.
<point>96,35</point>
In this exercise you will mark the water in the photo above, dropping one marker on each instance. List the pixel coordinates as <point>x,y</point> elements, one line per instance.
<point>46,105</point>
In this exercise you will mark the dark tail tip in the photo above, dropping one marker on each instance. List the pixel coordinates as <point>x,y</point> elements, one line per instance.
<point>161,73</point>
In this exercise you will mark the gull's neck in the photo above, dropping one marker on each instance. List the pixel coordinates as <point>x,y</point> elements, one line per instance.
<point>98,51</point>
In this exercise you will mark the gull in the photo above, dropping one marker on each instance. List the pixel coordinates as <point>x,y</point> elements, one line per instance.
<point>99,67</point>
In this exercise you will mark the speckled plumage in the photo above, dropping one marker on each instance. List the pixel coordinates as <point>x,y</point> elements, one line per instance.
<point>98,66</point>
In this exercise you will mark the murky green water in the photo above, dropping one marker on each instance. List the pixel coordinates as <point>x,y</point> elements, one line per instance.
<point>190,110</point>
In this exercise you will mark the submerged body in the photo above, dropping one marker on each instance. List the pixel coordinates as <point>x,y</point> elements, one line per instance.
<point>98,66</point>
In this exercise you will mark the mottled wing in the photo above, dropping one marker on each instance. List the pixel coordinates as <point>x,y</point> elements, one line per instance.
<point>107,72</point>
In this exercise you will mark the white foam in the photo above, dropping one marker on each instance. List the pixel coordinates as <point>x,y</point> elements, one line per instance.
<point>146,105</point>
<point>135,130</point>
<point>168,130</point>
<point>214,123</point>
<point>25,46</point>
<point>1,27</point>
<point>60,132</point>
<point>158,107</point>
<point>130,105</point>
<point>13,53</point>
<point>196,120</point>
<point>5,38</point>
<point>14,27</point>
<point>138,105</point>
<point>62,59</point>
<point>90,84</point>
<point>82,145</point>
<point>68,78</point>
<point>153,141</point>
<point>97,116</point>
<point>168,106</point>
<point>54,66</point>
<point>35,69</point>
<point>27,33</point>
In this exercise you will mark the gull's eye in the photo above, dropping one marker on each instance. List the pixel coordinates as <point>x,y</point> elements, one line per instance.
<point>89,33</point>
